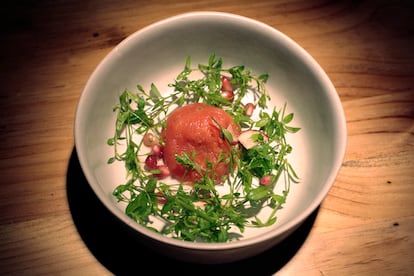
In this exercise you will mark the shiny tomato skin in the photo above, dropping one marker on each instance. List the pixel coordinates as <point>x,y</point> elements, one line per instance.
<point>190,129</point>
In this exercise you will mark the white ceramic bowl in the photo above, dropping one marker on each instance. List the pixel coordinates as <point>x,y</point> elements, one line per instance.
<point>156,54</point>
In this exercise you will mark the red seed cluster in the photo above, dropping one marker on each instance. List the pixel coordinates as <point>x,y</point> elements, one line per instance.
<point>152,161</point>
<point>227,92</point>
<point>227,89</point>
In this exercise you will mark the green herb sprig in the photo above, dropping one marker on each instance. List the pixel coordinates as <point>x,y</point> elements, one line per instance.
<point>201,213</point>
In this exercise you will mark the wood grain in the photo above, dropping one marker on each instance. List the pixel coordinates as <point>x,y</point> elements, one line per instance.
<point>48,50</point>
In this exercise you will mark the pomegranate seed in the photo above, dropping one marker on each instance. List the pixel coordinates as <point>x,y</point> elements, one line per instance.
<point>151,162</point>
<point>248,109</point>
<point>266,180</point>
<point>163,172</point>
<point>226,84</point>
<point>160,198</point>
<point>150,139</point>
<point>229,95</point>
<point>157,151</point>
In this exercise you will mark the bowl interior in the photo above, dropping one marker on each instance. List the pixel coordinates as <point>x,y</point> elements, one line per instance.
<point>156,54</point>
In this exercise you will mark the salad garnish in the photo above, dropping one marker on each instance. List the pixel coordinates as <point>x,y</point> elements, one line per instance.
<point>261,173</point>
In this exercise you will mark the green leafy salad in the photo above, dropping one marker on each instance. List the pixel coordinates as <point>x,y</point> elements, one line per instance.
<point>207,211</point>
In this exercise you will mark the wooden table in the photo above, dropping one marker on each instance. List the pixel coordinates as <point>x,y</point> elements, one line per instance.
<point>51,223</point>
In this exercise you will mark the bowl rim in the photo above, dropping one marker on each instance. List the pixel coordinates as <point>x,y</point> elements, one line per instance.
<point>339,120</point>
